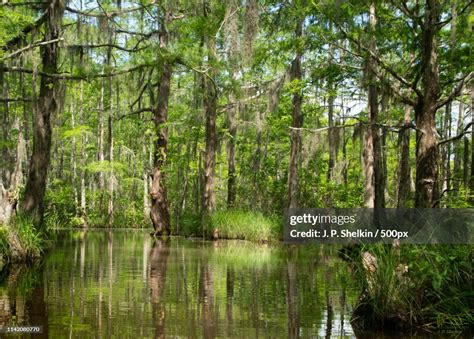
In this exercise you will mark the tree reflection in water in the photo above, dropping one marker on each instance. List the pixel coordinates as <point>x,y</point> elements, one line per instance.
<point>159,254</point>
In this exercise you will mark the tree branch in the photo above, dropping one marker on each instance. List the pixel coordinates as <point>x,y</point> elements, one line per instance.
<point>31,46</point>
<point>15,99</point>
<point>444,22</point>
<point>90,46</point>
<point>387,68</point>
<point>104,14</point>
<point>456,91</point>
<point>459,136</point>
<point>67,76</point>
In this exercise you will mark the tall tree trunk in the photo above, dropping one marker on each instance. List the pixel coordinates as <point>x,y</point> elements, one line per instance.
<point>101,133</point>
<point>73,158</point>
<point>233,57</point>
<point>368,167</point>
<point>446,154</point>
<point>84,140</point>
<point>231,184</point>
<point>210,102</point>
<point>458,149</point>
<point>297,122</point>
<point>47,106</point>
<point>110,205</point>
<point>374,177</point>
<point>427,155</point>
<point>471,181</point>
<point>159,211</point>
<point>332,131</point>
<point>404,162</point>
<point>146,202</point>
<point>4,168</point>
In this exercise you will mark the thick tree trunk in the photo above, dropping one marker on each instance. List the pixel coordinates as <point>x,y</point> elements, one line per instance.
<point>47,106</point>
<point>297,122</point>
<point>159,211</point>
<point>427,156</point>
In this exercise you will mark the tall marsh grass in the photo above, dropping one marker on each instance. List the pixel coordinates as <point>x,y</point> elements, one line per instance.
<point>427,286</point>
<point>233,224</point>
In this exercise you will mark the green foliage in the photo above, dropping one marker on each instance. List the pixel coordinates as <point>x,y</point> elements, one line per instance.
<point>4,243</point>
<point>12,23</point>
<point>417,285</point>
<point>234,224</point>
<point>31,239</point>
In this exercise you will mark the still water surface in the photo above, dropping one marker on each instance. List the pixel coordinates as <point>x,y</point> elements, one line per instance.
<point>124,284</point>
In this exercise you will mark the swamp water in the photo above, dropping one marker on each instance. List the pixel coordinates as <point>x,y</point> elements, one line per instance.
<point>124,284</point>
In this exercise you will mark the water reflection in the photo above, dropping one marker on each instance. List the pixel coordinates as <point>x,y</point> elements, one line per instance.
<point>103,284</point>
<point>157,279</point>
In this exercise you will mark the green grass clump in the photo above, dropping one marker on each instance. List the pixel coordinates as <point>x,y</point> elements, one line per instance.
<point>428,286</point>
<point>234,224</point>
<point>30,238</point>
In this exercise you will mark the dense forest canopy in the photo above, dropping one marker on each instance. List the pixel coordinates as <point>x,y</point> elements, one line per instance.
<point>114,111</point>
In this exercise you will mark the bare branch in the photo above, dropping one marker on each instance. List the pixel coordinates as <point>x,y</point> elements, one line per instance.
<point>31,46</point>
<point>15,99</point>
<point>456,91</point>
<point>90,46</point>
<point>103,13</point>
<point>459,136</point>
<point>67,76</point>
<point>446,21</point>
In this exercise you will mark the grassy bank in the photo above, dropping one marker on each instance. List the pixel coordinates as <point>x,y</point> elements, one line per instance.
<point>424,286</point>
<point>232,224</point>
<point>19,241</point>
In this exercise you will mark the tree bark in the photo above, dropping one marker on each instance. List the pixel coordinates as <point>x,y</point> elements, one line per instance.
<point>231,182</point>
<point>159,210</point>
<point>84,140</point>
<point>47,106</point>
<point>446,154</point>
<point>427,156</point>
<point>374,187</point>
<point>471,181</point>
<point>332,131</point>
<point>210,102</point>
<point>404,162</point>
<point>297,122</point>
